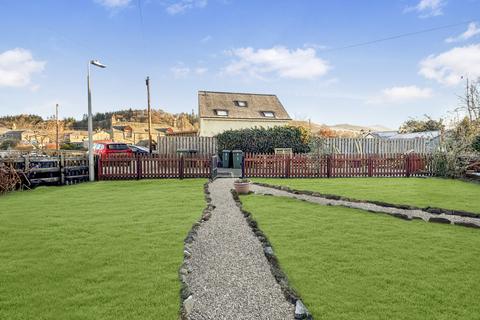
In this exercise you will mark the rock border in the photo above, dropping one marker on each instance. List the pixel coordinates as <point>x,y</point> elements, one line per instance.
<point>431,210</point>
<point>186,299</point>
<point>301,312</point>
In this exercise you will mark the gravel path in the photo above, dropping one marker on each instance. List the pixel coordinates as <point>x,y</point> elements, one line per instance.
<point>364,206</point>
<point>229,276</point>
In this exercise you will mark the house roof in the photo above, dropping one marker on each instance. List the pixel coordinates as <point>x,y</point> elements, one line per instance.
<point>413,135</point>
<point>210,101</point>
<point>383,134</point>
<point>397,135</point>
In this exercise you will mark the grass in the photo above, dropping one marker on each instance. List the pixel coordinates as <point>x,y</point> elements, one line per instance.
<point>108,250</point>
<point>419,192</point>
<point>351,264</point>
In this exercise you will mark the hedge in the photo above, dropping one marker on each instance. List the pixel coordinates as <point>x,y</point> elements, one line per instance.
<point>262,140</point>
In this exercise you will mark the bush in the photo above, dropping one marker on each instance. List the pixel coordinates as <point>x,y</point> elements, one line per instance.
<point>476,143</point>
<point>261,140</point>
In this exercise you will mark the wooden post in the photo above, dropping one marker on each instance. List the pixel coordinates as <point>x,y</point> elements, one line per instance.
<point>329,166</point>
<point>181,167</point>
<point>62,169</point>
<point>288,166</point>
<point>408,165</point>
<point>147,81</point>
<point>139,166</point>
<point>370,166</point>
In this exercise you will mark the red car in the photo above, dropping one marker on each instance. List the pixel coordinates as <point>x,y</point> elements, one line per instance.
<point>103,148</point>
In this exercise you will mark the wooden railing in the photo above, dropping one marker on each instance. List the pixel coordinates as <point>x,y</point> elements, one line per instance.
<point>124,167</point>
<point>336,165</point>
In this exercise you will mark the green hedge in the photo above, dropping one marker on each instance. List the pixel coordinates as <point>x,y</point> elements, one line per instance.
<point>261,140</point>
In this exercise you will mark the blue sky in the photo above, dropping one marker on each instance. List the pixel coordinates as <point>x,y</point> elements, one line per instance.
<point>292,48</point>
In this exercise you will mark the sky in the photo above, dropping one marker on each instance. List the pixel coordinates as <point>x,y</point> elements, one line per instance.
<point>321,58</point>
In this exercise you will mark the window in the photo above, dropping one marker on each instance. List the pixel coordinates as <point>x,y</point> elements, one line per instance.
<point>268,114</point>
<point>117,146</point>
<point>221,112</point>
<point>242,104</point>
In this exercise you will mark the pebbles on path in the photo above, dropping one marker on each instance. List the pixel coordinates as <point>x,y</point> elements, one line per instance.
<point>230,276</point>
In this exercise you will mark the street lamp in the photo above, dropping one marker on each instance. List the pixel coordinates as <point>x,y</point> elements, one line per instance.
<point>91,166</point>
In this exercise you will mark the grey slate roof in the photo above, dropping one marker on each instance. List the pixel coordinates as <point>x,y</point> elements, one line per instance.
<point>209,101</point>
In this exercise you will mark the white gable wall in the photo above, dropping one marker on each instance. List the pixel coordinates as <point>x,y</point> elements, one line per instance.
<point>211,127</point>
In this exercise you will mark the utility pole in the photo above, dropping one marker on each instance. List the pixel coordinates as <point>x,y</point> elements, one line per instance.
<point>147,82</point>
<point>56,121</point>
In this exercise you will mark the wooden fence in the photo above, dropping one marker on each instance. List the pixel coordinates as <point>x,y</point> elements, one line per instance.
<point>373,145</point>
<point>121,167</point>
<point>202,145</point>
<point>332,166</point>
<point>60,169</point>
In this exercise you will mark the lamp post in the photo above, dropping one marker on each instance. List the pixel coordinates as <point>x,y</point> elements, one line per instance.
<point>91,166</point>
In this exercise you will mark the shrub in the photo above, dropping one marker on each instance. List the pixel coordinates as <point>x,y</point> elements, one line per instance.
<point>476,143</point>
<point>261,140</point>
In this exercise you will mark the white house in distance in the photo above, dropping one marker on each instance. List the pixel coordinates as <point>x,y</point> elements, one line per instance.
<point>221,111</point>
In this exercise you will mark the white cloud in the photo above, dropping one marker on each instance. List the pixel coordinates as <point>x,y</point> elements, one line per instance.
<point>401,94</point>
<point>428,8</point>
<point>200,71</point>
<point>181,6</point>
<point>114,4</point>
<point>180,71</point>
<point>277,61</point>
<point>472,31</point>
<point>17,67</point>
<point>450,66</point>
<point>206,39</point>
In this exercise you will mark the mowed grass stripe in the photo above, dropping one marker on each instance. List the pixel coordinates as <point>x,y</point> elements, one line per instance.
<point>351,264</point>
<point>420,192</point>
<point>108,250</point>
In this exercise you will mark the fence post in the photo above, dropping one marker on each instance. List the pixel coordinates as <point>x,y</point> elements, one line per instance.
<point>61,167</point>
<point>408,165</point>
<point>329,165</point>
<point>288,166</point>
<point>139,167</point>
<point>99,167</point>
<point>370,166</point>
<point>181,167</point>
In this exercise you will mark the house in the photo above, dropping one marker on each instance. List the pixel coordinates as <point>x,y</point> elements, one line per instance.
<point>221,111</point>
<point>381,134</point>
<point>19,135</point>
<point>76,137</point>
<point>432,135</point>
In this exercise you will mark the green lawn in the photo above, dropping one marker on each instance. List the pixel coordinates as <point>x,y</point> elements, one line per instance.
<point>431,192</point>
<point>108,250</point>
<point>351,264</point>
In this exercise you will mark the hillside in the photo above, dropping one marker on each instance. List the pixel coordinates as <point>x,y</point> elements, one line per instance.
<point>338,130</point>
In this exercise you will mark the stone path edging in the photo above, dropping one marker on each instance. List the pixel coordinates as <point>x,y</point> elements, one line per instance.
<point>185,293</point>
<point>301,312</point>
<point>461,218</point>
<point>225,273</point>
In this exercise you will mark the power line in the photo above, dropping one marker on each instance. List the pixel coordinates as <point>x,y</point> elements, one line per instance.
<point>403,35</point>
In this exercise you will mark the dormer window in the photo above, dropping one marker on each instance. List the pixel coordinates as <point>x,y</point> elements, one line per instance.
<point>220,112</point>
<point>241,104</point>
<point>268,114</point>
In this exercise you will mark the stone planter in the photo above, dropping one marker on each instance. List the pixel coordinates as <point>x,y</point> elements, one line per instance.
<point>242,187</point>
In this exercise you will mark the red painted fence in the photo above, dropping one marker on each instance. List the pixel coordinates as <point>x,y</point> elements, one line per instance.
<point>121,167</point>
<point>336,165</point>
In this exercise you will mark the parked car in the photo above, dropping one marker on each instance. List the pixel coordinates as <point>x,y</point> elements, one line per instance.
<point>138,149</point>
<point>103,148</point>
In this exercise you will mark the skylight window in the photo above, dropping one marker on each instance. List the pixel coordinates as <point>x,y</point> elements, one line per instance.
<point>268,114</point>
<point>221,112</point>
<point>242,104</point>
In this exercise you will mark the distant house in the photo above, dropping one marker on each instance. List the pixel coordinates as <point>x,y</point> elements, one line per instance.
<point>381,134</point>
<point>397,135</point>
<point>221,111</point>
<point>76,137</point>
<point>19,135</point>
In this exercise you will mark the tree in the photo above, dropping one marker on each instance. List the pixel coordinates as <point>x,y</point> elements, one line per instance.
<point>428,124</point>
